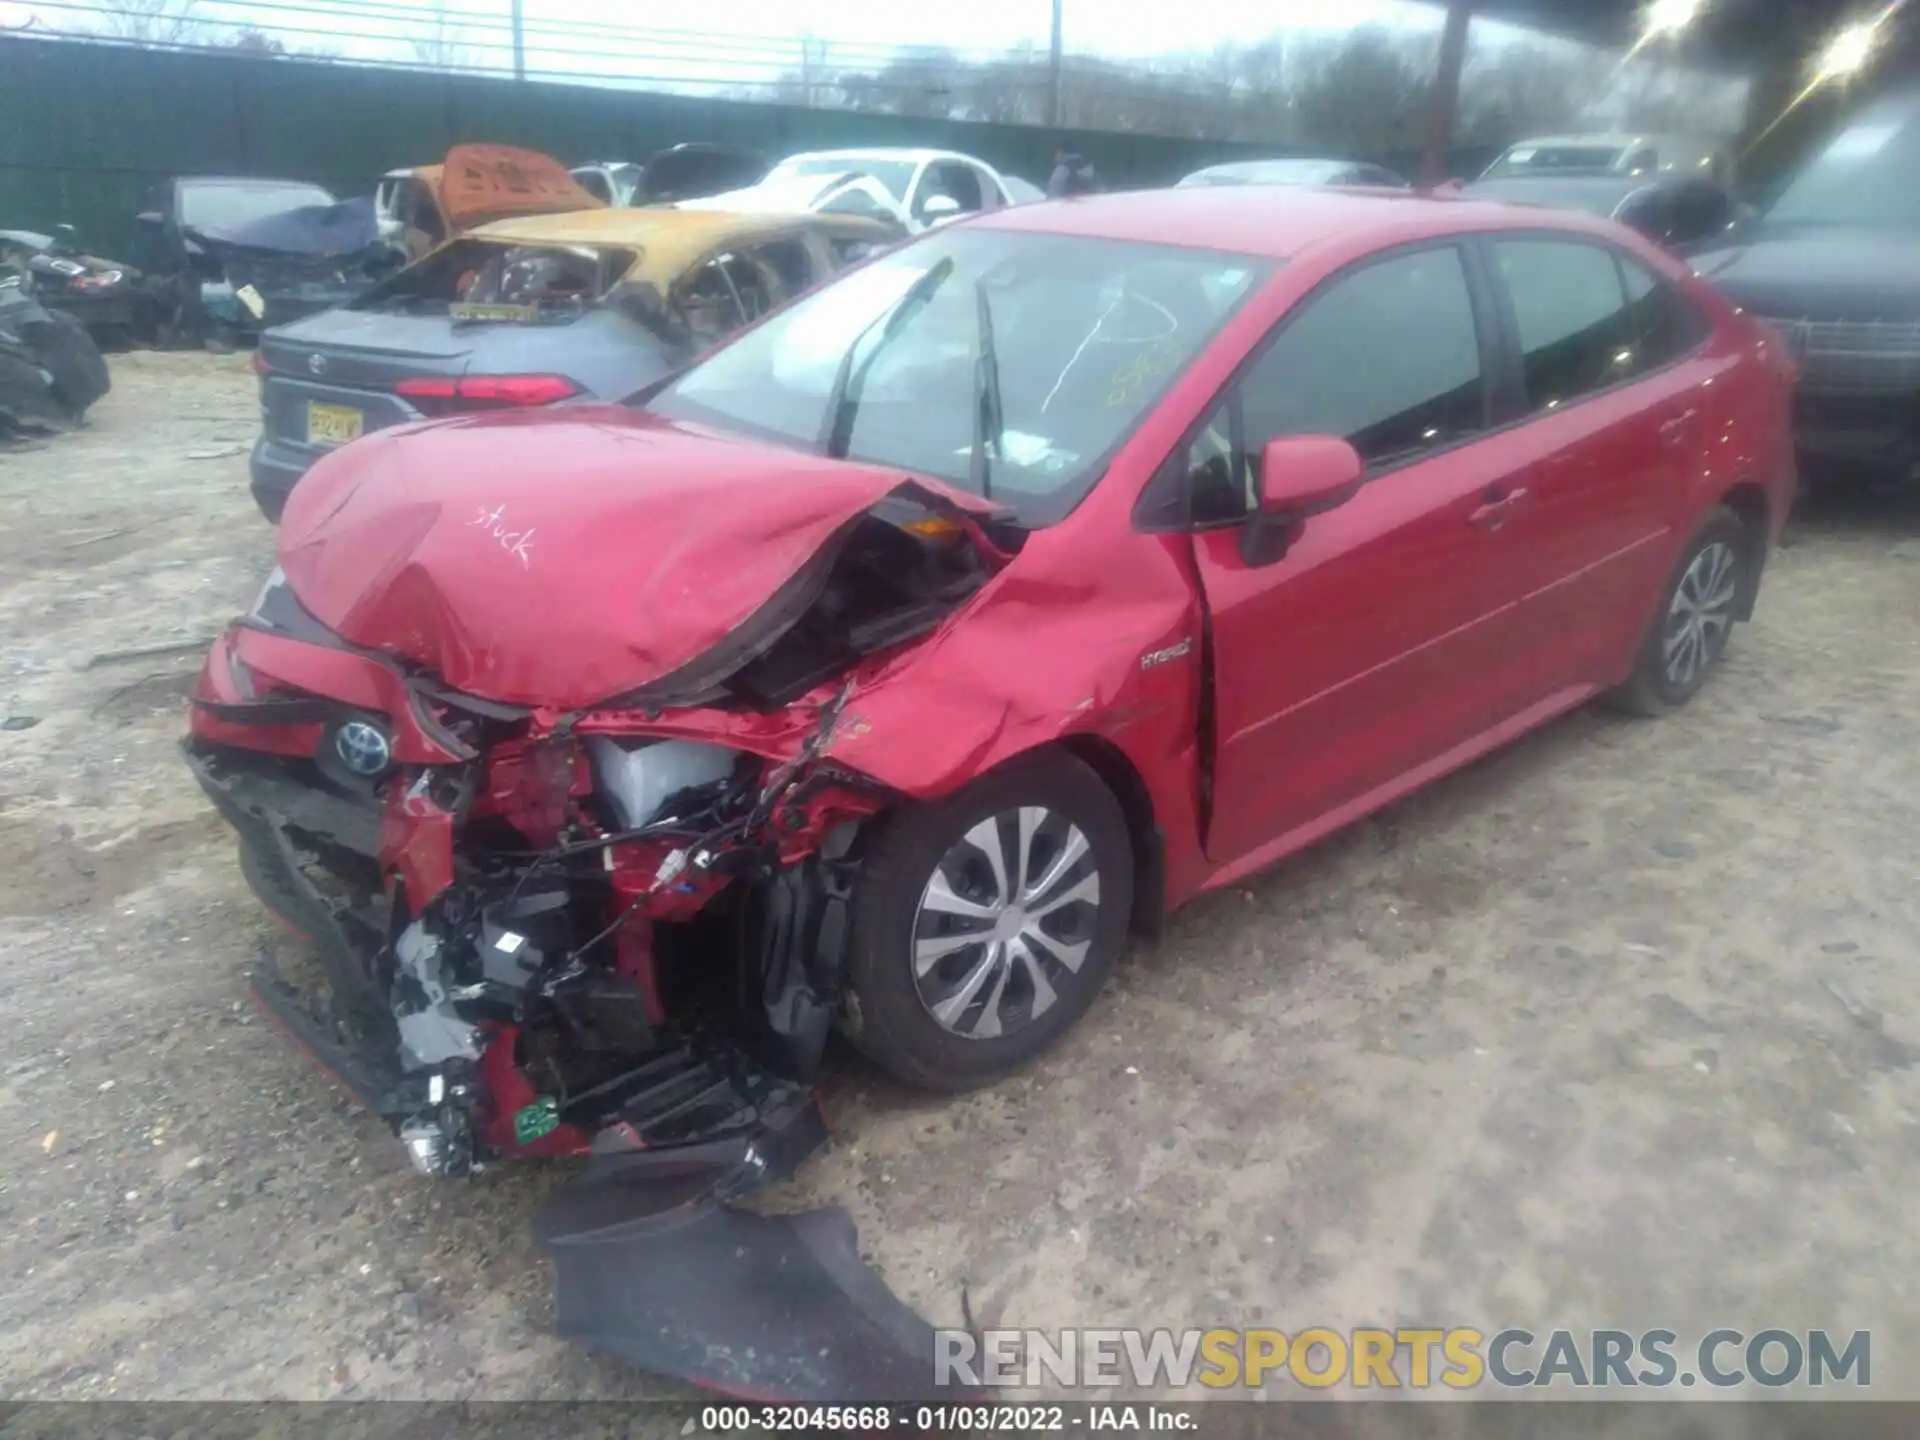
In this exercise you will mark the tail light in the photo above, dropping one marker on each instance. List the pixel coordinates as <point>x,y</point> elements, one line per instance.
<point>259,362</point>
<point>448,395</point>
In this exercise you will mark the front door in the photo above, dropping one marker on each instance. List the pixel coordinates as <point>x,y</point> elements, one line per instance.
<point>1385,637</point>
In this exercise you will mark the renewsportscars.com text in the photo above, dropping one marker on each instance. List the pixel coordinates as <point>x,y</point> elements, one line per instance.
<point>1458,1359</point>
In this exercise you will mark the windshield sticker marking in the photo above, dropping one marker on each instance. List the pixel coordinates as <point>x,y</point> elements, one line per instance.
<point>1078,351</point>
<point>517,543</point>
<point>1149,364</point>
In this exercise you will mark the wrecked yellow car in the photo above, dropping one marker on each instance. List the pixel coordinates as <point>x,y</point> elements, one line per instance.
<point>422,206</point>
<point>596,303</point>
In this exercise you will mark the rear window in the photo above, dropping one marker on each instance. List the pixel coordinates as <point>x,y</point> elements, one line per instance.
<point>477,279</point>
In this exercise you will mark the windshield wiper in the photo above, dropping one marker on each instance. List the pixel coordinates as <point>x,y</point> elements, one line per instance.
<point>989,420</point>
<point>836,429</point>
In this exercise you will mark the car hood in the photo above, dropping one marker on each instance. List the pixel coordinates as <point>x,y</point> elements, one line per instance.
<point>557,558</point>
<point>1821,275</point>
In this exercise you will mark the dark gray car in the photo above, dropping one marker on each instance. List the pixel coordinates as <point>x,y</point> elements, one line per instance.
<point>1684,214</point>
<point>532,311</point>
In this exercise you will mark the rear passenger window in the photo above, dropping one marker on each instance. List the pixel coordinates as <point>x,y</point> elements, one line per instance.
<point>1387,357</point>
<point>1662,324</point>
<point>1571,311</point>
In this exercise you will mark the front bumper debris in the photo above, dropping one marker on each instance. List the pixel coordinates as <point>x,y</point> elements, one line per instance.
<point>652,1263</point>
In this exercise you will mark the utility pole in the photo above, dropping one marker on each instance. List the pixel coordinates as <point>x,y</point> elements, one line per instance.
<point>1445,99</point>
<point>519,42</point>
<point>1054,76</point>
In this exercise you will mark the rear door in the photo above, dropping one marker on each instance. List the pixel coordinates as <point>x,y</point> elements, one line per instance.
<point>1608,427</point>
<point>1384,638</point>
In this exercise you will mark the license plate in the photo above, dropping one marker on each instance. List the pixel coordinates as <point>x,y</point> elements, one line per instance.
<point>333,424</point>
<point>513,314</point>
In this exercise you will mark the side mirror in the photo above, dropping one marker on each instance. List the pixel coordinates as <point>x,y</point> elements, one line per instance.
<point>938,207</point>
<point>1300,475</point>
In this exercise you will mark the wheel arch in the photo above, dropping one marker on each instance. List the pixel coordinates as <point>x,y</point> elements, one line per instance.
<point>1119,774</point>
<point>1748,500</point>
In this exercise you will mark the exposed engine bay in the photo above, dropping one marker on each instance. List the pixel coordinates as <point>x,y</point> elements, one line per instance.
<point>576,932</point>
<point>540,932</point>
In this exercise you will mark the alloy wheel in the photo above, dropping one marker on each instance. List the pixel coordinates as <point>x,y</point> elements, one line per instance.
<point>1006,918</point>
<point>1700,614</point>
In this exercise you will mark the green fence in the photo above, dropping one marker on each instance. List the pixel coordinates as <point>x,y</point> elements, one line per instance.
<point>86,130</point>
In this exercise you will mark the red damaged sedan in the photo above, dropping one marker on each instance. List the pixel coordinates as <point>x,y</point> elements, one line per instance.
<point>885,669</point>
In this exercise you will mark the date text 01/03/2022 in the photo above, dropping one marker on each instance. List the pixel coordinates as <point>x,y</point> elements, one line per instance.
<point>1004,1419</point>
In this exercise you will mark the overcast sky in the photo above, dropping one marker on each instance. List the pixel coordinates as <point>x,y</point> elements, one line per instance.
<point>744,40</point>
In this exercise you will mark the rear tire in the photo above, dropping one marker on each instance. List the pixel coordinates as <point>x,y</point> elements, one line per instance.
<point>1698,609</point>
<point>985,925</point>
<point>78,368</point>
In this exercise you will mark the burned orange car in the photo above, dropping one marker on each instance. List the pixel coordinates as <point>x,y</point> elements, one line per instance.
<point>423,206</point>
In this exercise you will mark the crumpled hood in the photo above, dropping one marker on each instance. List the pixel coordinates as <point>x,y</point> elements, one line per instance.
<point>558,557</point>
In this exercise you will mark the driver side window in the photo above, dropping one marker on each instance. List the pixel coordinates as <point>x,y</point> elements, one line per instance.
<point>1387,357</point>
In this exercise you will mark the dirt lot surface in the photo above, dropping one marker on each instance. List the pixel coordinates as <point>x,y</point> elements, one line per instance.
<point>1618,1029</point>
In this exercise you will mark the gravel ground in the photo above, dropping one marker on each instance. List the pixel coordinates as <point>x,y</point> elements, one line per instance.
<point>1619,1028</point>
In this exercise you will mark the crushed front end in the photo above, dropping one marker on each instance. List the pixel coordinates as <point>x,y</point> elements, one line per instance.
<point>577,868</point>
<point>534,936</point>
<point>536,931</point>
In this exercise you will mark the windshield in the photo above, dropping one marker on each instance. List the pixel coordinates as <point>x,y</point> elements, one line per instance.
<point>1865,177</point>
<point>1532,159</point>
<point>1598,196</point>
<point>896,175</point>
<point>225,205</point>
<point>1084,337</point>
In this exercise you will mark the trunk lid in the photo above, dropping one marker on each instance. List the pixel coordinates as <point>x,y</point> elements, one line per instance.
<point>352,360</point>
<point>559,557</point>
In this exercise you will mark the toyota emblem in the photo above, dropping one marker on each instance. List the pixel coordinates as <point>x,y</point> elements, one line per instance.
<point>362,748</point>
<point>317,364</point>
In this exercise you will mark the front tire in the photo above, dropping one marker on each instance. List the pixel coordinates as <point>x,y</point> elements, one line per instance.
<point>1695,618</point>
<point>984,926</point>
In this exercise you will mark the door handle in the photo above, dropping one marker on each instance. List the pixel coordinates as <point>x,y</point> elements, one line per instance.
<point>1675,430</point>
<point>1493,514</point>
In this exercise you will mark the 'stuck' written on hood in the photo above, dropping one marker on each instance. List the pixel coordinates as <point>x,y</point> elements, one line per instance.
<point>558,558</point>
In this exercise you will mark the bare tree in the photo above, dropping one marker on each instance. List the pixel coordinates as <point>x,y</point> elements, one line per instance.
<point>1369,97</point>
<point>437,48</point>
<point>249,41</point>
<point>1364,93</point>
<point>1506,96</point>
<point>149,22</point>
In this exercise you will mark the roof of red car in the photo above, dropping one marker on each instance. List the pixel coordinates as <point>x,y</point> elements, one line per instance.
<point>1278,221</point>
